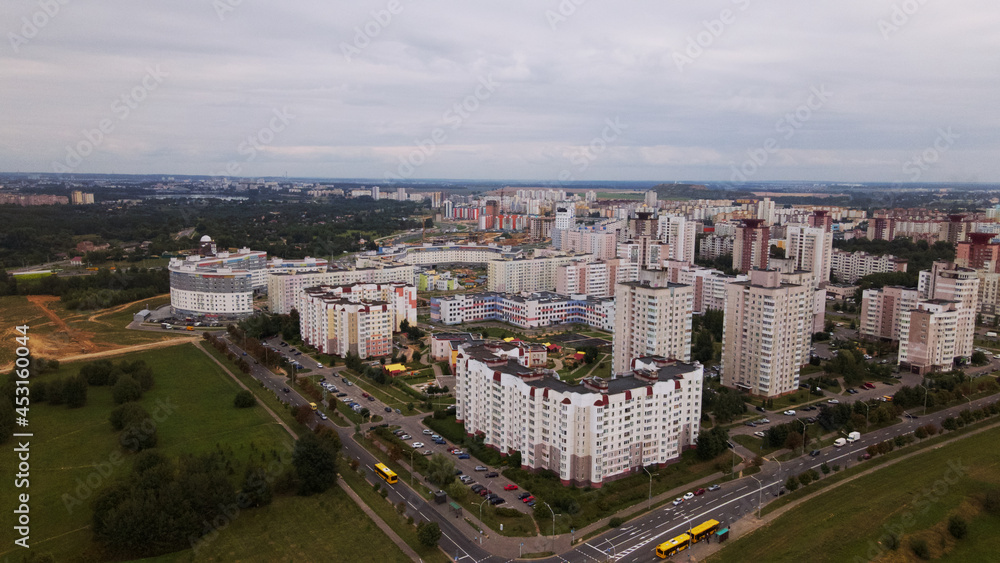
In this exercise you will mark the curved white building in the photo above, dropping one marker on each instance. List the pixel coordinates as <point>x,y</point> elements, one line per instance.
<point>216,285</point>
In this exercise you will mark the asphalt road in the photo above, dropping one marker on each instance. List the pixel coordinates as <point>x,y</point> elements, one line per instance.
<point>633,542</point>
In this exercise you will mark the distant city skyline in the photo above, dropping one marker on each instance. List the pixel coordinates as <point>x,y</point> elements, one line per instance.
<point>730,90</point>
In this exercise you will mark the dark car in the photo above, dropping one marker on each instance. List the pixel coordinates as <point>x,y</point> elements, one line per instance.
<point>815,453</point>
<point>285,389</point>
<point>761,409</point>
<point>523,495</point>
<point>497,500</point>
<point>458,472</point>
<point>491,475</point>
<point>387,409</point>
<point>477,488</point>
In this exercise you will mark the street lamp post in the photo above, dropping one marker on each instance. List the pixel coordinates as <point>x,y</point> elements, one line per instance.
<point>481,520</point>
<point>925,398</point>
<point>867,410</point>
<point>553,524</point>
<point>649,503</point>
<point>411,467</point>
<point>803,434</point>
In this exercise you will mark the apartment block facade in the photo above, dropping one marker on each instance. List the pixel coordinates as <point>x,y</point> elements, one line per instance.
<point>284,289</point>
<point>596,279</point>
<point>588,433</point>
<point>768,326</point>
<point>882,310</point>
<point>357,319</point>
<point>751,245</point>
<point>849,267</point>
<point>530,310</point>
<point>652,318</point>
<point>524,274</point>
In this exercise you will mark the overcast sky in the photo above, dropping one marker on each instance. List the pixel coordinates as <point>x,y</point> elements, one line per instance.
<point>845,90</point>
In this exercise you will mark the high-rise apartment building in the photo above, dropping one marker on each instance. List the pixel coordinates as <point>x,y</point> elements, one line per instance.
<point>357,319</point>
<point>652,318</point>
<point>767,330</point>
<point>979,253</point>
<point>811,248</point>
<point>679,234</point>
<point>881,310</point>
<point>751,246</point>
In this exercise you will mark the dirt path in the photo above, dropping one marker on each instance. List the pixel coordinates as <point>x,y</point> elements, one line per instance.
<point>77,337</point>
<point>128,349</point>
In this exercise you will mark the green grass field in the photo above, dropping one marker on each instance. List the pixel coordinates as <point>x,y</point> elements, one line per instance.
<point>196,416</point>
<point>915,497</point>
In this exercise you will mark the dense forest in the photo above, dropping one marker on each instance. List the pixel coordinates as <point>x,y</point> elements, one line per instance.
<point>33,235</point>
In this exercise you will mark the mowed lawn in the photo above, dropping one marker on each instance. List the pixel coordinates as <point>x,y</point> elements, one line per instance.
<point>193,398</point>
<point>915,496</point>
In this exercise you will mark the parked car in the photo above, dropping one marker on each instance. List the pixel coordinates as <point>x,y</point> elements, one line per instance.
<point>523,495</point>
<point>750,424</point>
<point>758,434</point>
<point>322,416</point>
<point>285,389</point>
<point>688,496</point>
<point>463,456</point>
<point>833,401</point>
<point>491,475</point>
<point>699,492</point>
<point>761,409</point>
<point>510,487</point>
<point>528,499</point>
<point>678,500</point>
<point>387,409</point>
<point>405,437</point>
<point>481,468</point>
<point>477,488</point>
<point>715,487</point>
<point>790,413</point>
<point>497,500</point>
<point>418,444</point>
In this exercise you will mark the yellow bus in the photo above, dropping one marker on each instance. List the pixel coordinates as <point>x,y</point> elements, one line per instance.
<point>387,475</point>
<point>312,406</point>
<point>701,531</point>
<point>676,545</point>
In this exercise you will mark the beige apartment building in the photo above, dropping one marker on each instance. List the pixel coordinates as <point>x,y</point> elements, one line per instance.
<point>881,310</point>
<point>652,318</point>
<point>768,328</point>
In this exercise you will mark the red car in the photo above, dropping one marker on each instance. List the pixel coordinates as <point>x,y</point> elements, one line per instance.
<point>528,498</point>
<point>699,492</point>
<point>510,487</point>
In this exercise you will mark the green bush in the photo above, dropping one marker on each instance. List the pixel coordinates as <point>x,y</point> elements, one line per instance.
<point>957,527</point>
<point>920,549</point>
<point>615,522</point>
<point>244,399</point>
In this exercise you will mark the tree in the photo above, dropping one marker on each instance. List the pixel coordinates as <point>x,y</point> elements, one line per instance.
<point>429,533</point>
<point>303,415</point>
<point>728,405</point>
<point>979,358</point>
<point>793,441</point>
<point>256,489</point>
<point>440,470</point>
<point>712,443</point>
<point>244,399</point>
<point>126,389</point>
<point>315,464</point>
<point>75,391</point>
<point>957,527</point>
<point>791,483</point>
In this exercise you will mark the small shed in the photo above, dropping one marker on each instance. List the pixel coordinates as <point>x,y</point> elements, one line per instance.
<point>142,315</point>
<point>440,497</point>
<point>722,535</point>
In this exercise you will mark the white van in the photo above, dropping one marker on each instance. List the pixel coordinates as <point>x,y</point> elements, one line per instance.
<point>853,437</point>
<point>839,442</point>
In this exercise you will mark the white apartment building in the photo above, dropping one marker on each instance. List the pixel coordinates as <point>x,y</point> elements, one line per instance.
<point>429,254</point>
<point>812,249</point>
<point>356,318</point>
<point>283,290</point>
<point>679,233</point>
<point>715,245</point>
<point>849,267</point>
<point>218,285</point>
<point>528,274</point>
<point>588,433</point>
<point>596,279</point>
<point>652,318</point>
<point>767,331</point>
<point>527,310</point>
<point>882,309</point>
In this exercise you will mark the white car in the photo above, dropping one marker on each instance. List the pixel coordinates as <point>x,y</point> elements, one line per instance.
<point>833,401</point>
<point>678,500</point>
<point>405,437</point>
<point>790,413</point>
<point>688,496</point>
<point>319,365</point>
<point>427,432</point>
<point>417,445</point>
<point>758,434</point>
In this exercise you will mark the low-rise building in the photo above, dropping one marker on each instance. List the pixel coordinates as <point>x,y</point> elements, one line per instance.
<point>527,310</point>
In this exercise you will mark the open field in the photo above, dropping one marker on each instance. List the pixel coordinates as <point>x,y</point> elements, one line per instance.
<point>58,333</point>
<point>195,399</point>
<point>914,497</point>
